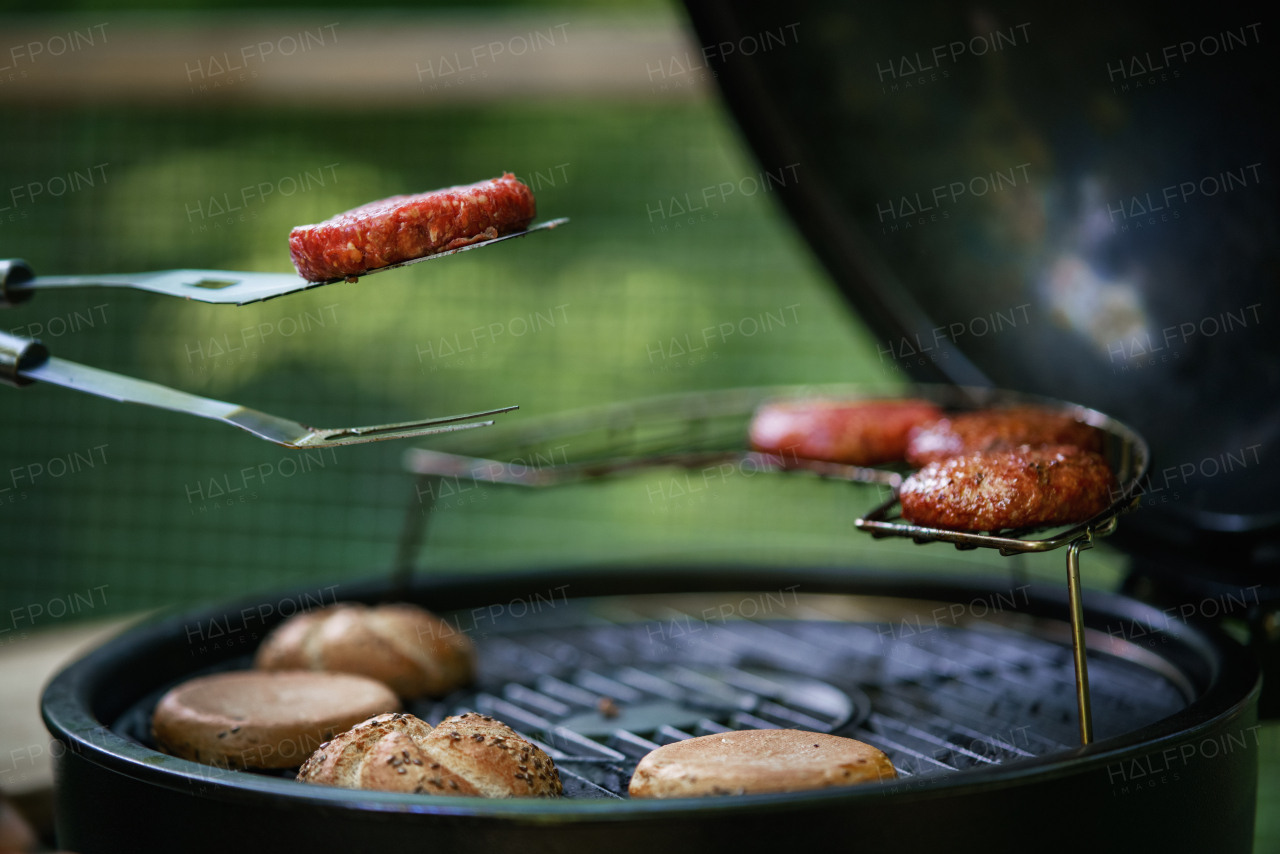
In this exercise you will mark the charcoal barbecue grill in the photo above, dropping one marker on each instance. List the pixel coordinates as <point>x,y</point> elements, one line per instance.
<point>971,689</point>
<point>968,687</point>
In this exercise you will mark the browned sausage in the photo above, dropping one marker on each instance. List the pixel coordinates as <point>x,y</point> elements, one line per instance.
<point>995,429</point>
<point>855,432</point>
<point>1018,488</point>
<point>402,228</point>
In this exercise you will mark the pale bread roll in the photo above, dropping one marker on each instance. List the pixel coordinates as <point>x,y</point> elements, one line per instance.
<point>471,755</point>
<point>404,646</point>
<point>254,719</point>
<point>757,761</point>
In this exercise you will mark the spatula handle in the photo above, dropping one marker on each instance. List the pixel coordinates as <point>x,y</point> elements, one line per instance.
<point>19,354</point>
<point>14,271</point>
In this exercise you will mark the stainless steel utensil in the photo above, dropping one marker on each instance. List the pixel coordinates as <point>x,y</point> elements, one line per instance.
<point>224,287</point>
<point>24,360</point>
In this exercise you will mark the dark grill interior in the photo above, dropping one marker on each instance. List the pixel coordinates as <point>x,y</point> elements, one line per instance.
<point>937,697</point>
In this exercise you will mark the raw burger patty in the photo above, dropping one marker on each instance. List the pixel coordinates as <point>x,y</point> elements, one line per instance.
<point>1019,488</point>
<point>855,432</point>
<point>998,429</point>
<point>402,228</point>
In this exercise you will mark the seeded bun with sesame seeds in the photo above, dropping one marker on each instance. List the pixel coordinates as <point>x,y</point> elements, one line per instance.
<point>468,755</point>
<point>408,648</point>
<point>757,761</point>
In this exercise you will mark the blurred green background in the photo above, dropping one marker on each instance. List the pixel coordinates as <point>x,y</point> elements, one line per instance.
<point>620,287</point>
<point>138,522</point>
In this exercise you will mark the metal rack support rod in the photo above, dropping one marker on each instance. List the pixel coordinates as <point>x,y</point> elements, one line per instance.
<point>417,520</point>
<point>1077,638</point>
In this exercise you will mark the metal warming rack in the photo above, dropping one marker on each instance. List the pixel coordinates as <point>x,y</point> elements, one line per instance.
<point>700,430</point>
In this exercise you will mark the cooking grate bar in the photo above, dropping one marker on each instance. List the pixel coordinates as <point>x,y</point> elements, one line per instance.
<point>924,711</point>
<point>577,786</point>
<point>791,717</point>
<point>651,684</point>
<point>921,735</point>
<point>796,701</point>
<point>958,694</point>
<point>578,745</point>
<point>865,642</point>
<point>905,710</point>
<point>1011,647</point>
<point>670,735</point>
<point>534,701</point>
<point>939,672</point>
<point>631,744</point>
<point>508,712</point>
<point>787,650</point>
<point>746,720</point>
<point>1033,656</point>
<point>1133,687</point>
<point>706,726</point>
<point>712,689</point>
<point>960,704</point>
<point>753,683</point>
<point>521,656</point>
<point>543,746</point>
<point>570,694</point>
<point>1003,707</point>
<point>605,687</point>
<point>798,653</point>
<point>899,753</point>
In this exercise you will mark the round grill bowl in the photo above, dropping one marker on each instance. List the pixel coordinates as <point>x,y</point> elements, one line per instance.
<point>1184,781</point>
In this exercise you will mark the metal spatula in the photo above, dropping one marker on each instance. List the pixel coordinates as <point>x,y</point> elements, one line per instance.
<point>23,360</point>
<point>225,287</point>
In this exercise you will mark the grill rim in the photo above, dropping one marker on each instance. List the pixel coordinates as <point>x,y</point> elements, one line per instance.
<point>68,702</point>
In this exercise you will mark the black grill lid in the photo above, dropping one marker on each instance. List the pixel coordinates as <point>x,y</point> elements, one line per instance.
<point>989,186</point>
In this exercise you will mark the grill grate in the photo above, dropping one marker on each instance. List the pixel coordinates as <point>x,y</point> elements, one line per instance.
<point>936,702</point>
<point>598,684</point>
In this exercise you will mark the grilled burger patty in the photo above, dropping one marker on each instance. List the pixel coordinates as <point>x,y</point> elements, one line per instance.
<point>854,432</point>
<point>1023,487</point>
<point>402,228</point>
<point>996,429</point>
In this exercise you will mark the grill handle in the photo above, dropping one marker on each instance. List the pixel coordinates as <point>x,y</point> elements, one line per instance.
<point>19,354</point>
<point>14,271</point>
